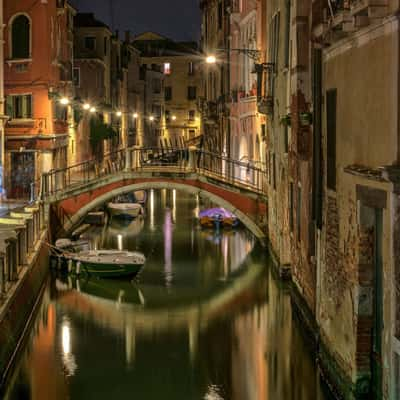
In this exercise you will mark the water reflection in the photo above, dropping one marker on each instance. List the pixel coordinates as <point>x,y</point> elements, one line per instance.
<point>204,320</point>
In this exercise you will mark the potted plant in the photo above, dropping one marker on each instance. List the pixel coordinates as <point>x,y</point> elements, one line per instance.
<point>286,120</point>
<point>305,118</point>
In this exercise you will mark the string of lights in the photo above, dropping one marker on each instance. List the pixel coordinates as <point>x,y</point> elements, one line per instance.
<point>86,106</point>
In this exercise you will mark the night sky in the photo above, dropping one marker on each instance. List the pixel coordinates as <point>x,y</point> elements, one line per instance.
<point>176,19</point>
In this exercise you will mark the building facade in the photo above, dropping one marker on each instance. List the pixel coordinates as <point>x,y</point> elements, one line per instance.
<point>92,78</point>
<point>179,63</point>
<point>245,121</point>
<point>214,105</point>
<point>38,73</point>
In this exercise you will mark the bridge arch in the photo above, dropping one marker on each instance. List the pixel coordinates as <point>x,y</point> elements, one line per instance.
<point>78,216</point>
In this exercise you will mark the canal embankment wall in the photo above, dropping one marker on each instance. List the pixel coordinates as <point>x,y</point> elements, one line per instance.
<point>23,269</point>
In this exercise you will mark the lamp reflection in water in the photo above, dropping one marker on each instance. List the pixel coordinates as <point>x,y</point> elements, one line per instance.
<point>68,358</point>
<point>174,206</point>
<point>120,242</point>
<point>212,393</point>
<point>168,247</point>
<point>152,209</point>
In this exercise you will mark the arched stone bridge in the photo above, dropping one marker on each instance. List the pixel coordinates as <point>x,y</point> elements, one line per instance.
<point>72,192</point>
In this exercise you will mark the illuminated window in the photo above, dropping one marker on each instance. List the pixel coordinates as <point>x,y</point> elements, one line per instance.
<point>167,68</point>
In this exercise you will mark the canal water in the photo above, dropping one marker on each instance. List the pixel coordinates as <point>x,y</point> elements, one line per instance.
<point>204,320</point>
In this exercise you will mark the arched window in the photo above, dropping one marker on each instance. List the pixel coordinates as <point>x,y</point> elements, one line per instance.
<point>20,37</point>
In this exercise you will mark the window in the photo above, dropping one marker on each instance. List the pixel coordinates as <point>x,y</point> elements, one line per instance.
<point>287,33</point>
<point>191,68</point>
<point>192,133</point>
<point>167,68</point>
<point>156,86</point>
<point>60,112</point>
<point>299,205</point>
<point>192,115</point>
<point>263,132</point>
<point>168,93</point>
<point>274,171</point>
<point>167,115</point>
<point>19,106</point>
<point>90,43</point>
<point>285,138</point>
<point>20,37</point>
<point>192,92</point>
<point>331,138</point>
<point>156,111</point>
<point>274,40</point>
<point>291,206</point>
<point>105,45</point>
<point>220,15</point>
<point>77,76</point>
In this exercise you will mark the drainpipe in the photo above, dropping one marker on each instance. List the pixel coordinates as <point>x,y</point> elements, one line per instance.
<point>3,118</point>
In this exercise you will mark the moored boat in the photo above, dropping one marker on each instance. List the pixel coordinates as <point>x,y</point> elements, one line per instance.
<point>72,246</point>
<point>217,218</point>
<point>126,210</point>
<point>108,263</point>
<point>140,196</point>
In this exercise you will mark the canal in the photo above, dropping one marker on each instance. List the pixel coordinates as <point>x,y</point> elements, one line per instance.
<point>204,320</point>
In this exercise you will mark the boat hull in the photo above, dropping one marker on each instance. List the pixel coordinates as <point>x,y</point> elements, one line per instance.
<point>108,270</point>
<point>124,213</point>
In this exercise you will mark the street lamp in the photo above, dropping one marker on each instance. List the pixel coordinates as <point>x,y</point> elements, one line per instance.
<point>174,118</point>
<point>119,113</point>
<point>254,54</point>
<point>135,115</point>
<point>86,106</point>
<point>93,110</point>
<point>211,59</point>
<point>151,118</point>
<point>64,101</point>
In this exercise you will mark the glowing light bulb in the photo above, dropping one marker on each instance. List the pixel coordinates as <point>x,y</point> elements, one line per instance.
<point>86,106</point>
<point>64,101</point>
<point>211,60</point>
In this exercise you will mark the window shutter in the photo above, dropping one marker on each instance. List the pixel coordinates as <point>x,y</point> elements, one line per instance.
<point>9,107</point>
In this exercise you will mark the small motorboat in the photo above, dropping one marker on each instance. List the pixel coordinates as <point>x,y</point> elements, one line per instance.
<point>217,218</point>
<point>140,196</point>
<point>125,210</point>
<point>108,263</point>
<point>72,246</point>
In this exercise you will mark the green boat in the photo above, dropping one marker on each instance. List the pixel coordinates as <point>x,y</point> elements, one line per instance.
<point>108,263</point>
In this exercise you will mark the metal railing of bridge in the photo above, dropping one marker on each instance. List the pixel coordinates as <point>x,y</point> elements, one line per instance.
<point>246,175</point>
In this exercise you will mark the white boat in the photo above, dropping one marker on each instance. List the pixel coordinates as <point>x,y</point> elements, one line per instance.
<point>140,196</point>
<point>108,263</point>
<point>73,246</point>
<point>127,210</point>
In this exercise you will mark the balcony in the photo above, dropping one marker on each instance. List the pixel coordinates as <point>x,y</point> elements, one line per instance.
<point>211,112</point>
<point>369,8</point>
<point>265,105</point>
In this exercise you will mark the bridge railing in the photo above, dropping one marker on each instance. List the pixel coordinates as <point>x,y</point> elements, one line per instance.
<point>158,158</point>
<point>244,174</point>
<point>60,179</point>
<point>248,174</point>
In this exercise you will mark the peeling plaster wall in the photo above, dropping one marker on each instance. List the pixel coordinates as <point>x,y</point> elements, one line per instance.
<point>363,69</point>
